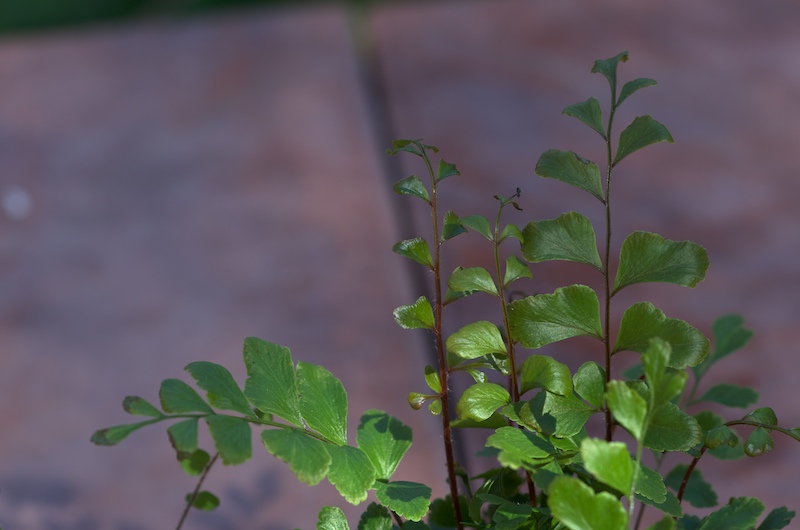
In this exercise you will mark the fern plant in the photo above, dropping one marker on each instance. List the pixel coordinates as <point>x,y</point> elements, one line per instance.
<point>551,473</point>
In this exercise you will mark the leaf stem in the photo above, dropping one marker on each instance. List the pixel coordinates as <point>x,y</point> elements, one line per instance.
<point>688,473</point>
<point>444,395</point>
<point>781,430</point>
<point>196,491</point>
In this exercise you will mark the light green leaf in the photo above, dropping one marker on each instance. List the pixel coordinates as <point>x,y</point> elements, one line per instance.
<point>412,186</point>
<point>777,519</point>
<point>759,442</point>
<point>609,462</point>
<point>560,416</point>
<point>179,398</point>
<point>232,438</point>
<point>511,230</point>
<point>307,457</point>
<point>475,340</point>
<point>667,523</point>
<point>452,226</point>
<point>515,269</point>
<point>541,371</point>
<point>415,249</point>
<point>418,315</point>
<point>698,492</point>
<point>375,517</point>
<point>643,321</point>
<point>205,501</point>
<point>650,485</point>
<point>139,407</point>
<point>351,472</point>
<point>730,395</point>
<point>194,463</point>
<point>570,311</point>
<point>648,257</point>
<point>445,170</point>
<point>270,384</point>
<point>579,508</point>
<point>472,279</point>
<point>183,436</point>
<point>384,439</point>
<point>729,336</point>
<point>589,113</point>
<point>479,401</point>
<point>332,518</point>
<point>114,435</point>
<point>628,408</point>
<point>643,131</point>
<point>572,169</point>
<point>740,513</point>
<point>590,383</point>
<point>407,499</point>
<point>632,86</point>
<point>323,402</point>
<point>479,224</point>
<point>569,237</point>
<point>664,385</point>
<point>519,448</point>
<point>671,429</point>
<point>221,390</point>
<point>432,379</point>
<point>608,68</point>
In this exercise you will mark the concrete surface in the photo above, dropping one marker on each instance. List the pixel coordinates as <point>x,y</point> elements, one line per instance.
<point>173,187</point>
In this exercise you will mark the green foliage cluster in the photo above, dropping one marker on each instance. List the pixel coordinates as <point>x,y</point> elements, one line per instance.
<point>551,473</point>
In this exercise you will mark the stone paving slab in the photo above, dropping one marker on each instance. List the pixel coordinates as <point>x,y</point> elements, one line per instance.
<point>190,184</point>
<point>486,82</point>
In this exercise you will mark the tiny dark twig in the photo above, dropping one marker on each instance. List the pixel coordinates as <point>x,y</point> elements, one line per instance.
<point>196,491</point>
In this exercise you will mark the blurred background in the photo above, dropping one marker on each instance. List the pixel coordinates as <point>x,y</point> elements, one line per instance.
<point>178,175</point>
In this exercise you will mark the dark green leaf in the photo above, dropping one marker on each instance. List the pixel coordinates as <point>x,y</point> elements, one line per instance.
<point>759,442</point>
<point>307,457</point>
<point>609,462</point>
<point>332,518</point>
<point>511,230</point>
<point>452,226</point>
<point>590,383</point>
<point>205,501</point>
<point>407,499</point>
<point>478,223</point>
<point>114,435</point>
<point>569,237</point>
<point>608,67</point>
<point>271,384</point>
<point>445,170</point>
<point>648,257</point>
<point>515,269</point>
<point>763,415</point>
<point>698,492</point>
<point>740,513</point>
<point>577,506</point>
<point>194,463</point>
<point>546,318</point>
<point>777,519</point>
<point>221,390</point>
<point>541,371</point>
<point>572,169</point>
<point>476,340</point>
<point>418,315</point>
<point>670,505</point>
<point>384,439</point>
<point>650,484</point>
<point>323,402</point>
<point>351,472</point>
<point>481,400</point>
<point>409,146</point>
<point>375,517</point>
<point>560,416</point>
<point>412,186</point>
<point>179,398</point>
<point>628,408</point>
<point>589,113</point>
<point>511,515</point>
<point>667,523</point>
<point>519,448</point>
<point>415,249</point>
<point>632,86</point>
<point>671,429</point>
<point>643,321</point>
<point>730,395</point>
<point>472,279</point>
<point>183,435</point>
<point>232,438</point>
<point>689,522</point>
<point>139,407</point>
<point>729,336</point>
<point>642,132</point>
<point>721,436</point>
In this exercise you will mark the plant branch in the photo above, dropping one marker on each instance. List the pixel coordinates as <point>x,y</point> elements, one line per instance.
<point>688,473</point>
<point>196,491</point>
<point>607,263</point>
